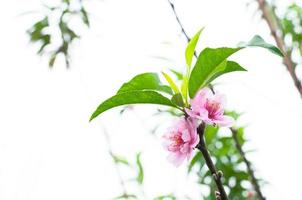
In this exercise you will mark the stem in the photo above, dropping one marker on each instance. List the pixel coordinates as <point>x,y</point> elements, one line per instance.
<point>217,175</point>
<point>122,182</point>
<point>248,164</point>
<point>180,24</point>
<point>275,29</point>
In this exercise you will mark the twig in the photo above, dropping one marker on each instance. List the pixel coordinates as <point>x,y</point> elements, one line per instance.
<point>122,182</point>
<point>217,175</point>
<point>180,24</point>
<point>275,32</point>
<point>248,164</point>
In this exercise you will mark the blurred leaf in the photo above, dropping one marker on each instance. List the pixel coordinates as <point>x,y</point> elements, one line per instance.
<point>140,176</point>
<point>196,157</point>
<point>145,81</point>
<point>132,97</point>
<point>178,75</point>
<point>52,60</point>
<point>233,114</point>
<point>38,32</point>
<point>120,159</point>
<point>126,196</point>
<point>165,197</point>
<point>210,133</point>
<point>85,17</point>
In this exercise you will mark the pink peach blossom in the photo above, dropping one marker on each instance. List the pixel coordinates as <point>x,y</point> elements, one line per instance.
<point>209,108</point>
<point>180,140</point>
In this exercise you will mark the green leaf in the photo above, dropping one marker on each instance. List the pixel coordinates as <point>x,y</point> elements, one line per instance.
<point>257,41</point>
<point>119,159</point>
<point>191,48</point>
<point>178,100</point>
<point>210,133</point>
<point>210,65</point>
<point>197,157</point>
<point>209,62</point>
<point>231,66</point>
<point>145,81</point>
<point>126,196</point>
<point>171,82</point>
<point>165,197</point>
<point>52,60</point>
<point>140,176</point>
<point>178,75</point>
<point>85,17</point>
<point>132,97</point>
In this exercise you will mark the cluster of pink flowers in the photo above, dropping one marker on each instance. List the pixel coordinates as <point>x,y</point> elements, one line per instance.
<point>182,137</point>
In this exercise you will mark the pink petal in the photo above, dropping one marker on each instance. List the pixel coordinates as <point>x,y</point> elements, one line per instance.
<point>220,98</point>
<point>176,159</point>
<point>225,121</point>
<point>186,136</point>
<point>200,99</point>
<point>185,148</point>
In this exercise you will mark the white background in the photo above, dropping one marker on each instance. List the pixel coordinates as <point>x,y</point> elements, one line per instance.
<point>48,150</point>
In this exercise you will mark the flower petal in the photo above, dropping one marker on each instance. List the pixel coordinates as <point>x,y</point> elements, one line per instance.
<point>176,159</point>
<point>225,121</point>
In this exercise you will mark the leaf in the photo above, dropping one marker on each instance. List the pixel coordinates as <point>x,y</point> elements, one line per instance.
<point>178,75</point>
<point>197,157</point>
<point>85,17</point>
<point>234,114</point>
<point>52,60</point>
<point>257,41</point>
<point>145,81</point>
<point>171,83</point>
<point>132,97</point>
<point>209,61</point>
<point>191,48</point>
<point>178,100</point>
<point>140,176</point>
<point>231,66</point>
<point>210,65</point>
<point>120,159</point>
<point>184,88</point>
<point>210,133</point>
<point>126,196</point>
<point>165,197</point>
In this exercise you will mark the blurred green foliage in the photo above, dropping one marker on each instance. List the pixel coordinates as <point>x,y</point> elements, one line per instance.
<point>292,28</point>
<point>42,31</point>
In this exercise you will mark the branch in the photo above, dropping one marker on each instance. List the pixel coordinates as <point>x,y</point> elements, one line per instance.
<point>248,164</point>
<point>217,175</point>
<point>180,24</point>
<point>275,29</point>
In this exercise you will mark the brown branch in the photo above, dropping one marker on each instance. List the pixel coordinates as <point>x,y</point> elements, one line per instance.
<point>217,175</point>
<point>248,164</point>
<point>180,24</point>
<point>275,32</point>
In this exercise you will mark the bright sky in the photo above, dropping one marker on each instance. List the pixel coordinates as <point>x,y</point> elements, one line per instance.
<point>48,150</point>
